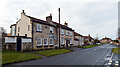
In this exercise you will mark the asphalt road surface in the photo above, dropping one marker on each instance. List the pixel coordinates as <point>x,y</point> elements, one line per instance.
<point>92,56</point>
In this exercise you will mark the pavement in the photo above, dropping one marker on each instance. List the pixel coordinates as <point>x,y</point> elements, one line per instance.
<point>100,55</point>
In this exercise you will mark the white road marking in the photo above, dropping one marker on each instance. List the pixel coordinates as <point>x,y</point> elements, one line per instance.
<point>109,63</point>
<point>112,55</point>
<point>116,64</point>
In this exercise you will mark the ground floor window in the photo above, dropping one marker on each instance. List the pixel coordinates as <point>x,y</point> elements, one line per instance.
<point>45,41</point>
<point>71,41</point>
<point>51,41</point>
<point>62,39</point>
<point>39,41</point>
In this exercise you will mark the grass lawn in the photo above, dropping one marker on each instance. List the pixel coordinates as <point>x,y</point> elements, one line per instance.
<point>89,46</point>
<point>11,57</point>
<point>53,52</point>
<point>116,50</point>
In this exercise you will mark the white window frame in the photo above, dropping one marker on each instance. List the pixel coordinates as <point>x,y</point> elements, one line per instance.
<point>39,39</point>
<point>52,41</point>
<point>51,29</point>
<point>71,33</point>
<point>71,42</point>
<point>47,41</point>
<point>63,40</point>
<point>62,31</point>
<point>38,27</point>
<point>66,32</point>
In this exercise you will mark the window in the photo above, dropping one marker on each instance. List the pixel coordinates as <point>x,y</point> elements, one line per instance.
<point>51,29</point>
<point>18,29</point>
<point>66,32</point>
<point>62,40</point>
<point>39,27</point>
<point>28,27</point>
<point>62,31</point>
<point>51,42</point>
<point>71,41</point>
<point>39,41</point>
<point>70,33</point>
<point>45,41</point>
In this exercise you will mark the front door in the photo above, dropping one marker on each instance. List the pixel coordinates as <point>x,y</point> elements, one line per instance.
<point>19,44</point>
<point>67,42</point>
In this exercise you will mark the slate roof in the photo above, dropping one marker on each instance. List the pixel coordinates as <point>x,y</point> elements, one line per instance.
<point>77,34</point>
<point>47,23</point>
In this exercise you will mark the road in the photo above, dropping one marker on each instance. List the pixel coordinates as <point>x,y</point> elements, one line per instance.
<point>92,56</point>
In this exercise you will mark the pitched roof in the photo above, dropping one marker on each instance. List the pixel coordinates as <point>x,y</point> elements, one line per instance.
<point>47,23</point>
<point>88,37</point>
<point>76,39</point>
<point>77,34</point>
<point>12,25</point>
<point>106,38</point>
<point>40,21</point>
<point>63,26</point>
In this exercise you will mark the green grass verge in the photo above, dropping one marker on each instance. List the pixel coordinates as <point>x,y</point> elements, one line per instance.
<point>12,57</point>
<point>89,46</point>
<point>116,50</point>
<point>53,52</point>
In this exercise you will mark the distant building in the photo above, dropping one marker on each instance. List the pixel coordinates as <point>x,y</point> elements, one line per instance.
<point>88,40</point>
<point>106,40</point>
<point>78,39</point>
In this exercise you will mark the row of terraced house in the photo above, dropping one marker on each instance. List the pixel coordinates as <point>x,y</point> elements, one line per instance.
<point>45,33</point>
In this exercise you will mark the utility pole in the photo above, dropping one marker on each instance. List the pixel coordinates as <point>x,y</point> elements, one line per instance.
<point>59,27</point>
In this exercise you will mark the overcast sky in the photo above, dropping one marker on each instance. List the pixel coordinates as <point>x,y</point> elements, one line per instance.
<point>84,16</point>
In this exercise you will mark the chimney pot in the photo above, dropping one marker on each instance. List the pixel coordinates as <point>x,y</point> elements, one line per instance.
<point>23,12</point>
<point>66,24</point>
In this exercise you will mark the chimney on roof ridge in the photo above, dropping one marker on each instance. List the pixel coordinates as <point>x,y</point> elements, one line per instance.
<point>89,35</point>
<point>49,18</point>
<point>66,24</point>
<point>23,12</point>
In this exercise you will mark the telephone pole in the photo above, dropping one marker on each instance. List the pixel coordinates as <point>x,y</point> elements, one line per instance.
<point>59,27</point>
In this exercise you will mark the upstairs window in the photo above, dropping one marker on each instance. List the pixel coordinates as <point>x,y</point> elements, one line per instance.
<point>51,29</point>
<point>66,32</point>
<point>62,31</point>
<point>71,33</point>
<point>28,27</point>
<point>18,29</point>
<point>39,27</point>
<point>62,39</point>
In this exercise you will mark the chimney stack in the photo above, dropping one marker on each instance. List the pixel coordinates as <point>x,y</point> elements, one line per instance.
<point>23,12</point>
<point>66,24</point>
<point>49,18</point>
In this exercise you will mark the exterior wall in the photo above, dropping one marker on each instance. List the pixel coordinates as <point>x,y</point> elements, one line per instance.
<point>23,25</point>
<point>66,37</point>
<point>9,47</point>
<point>76,43</point>
<point>13,30</point>
<point>81,40</point>
<point>90,41</point>
<point>26,46</point>
<point>44,34</point>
